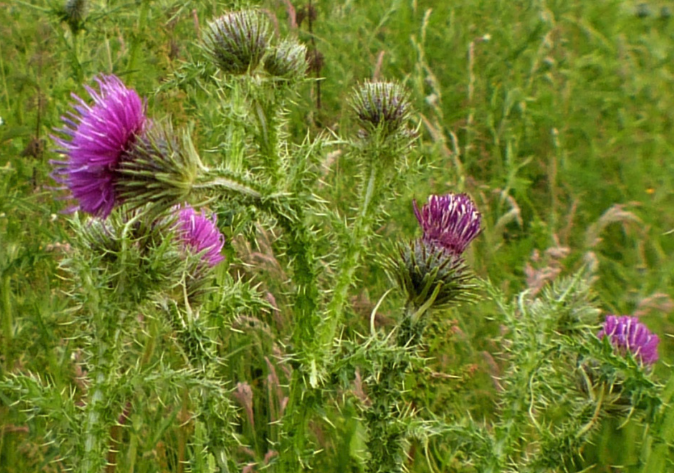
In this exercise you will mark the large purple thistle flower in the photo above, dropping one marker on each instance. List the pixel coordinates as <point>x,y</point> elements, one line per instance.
<point>200,234</point>
<point>627,333</point>
<point>450,221</point>
<point>96,138</point>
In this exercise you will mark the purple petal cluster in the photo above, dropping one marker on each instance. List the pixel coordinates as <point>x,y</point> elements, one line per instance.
<point>450,221</point>
<point>627,333</point>
<point>200,234</point>
<point>96,136</point>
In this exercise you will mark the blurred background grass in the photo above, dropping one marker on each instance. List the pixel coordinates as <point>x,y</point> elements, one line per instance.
<point>556,116</point>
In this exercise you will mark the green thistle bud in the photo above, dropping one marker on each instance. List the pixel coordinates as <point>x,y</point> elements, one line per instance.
<point>287,60</point>
<point>430,275</point>
<point>74,13</point>
<point>238,40</point>
<point>382,106</point>
<point>159,169</point>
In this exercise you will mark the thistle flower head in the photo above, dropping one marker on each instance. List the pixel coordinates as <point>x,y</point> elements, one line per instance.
<point>626,333</point>
<point>237,40</point>
<point>450,221</point>
<point>96,136</point>
<point>381,105</point>
<point>159,168</point>
<point>200,234</point>
<point>427,272</point>
<point>287,60</point>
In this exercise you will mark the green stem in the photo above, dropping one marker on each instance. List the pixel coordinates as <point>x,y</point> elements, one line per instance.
<point>350,262</point>
<point>135,45</point>
<point>7,320</point>
<point>658,446</point>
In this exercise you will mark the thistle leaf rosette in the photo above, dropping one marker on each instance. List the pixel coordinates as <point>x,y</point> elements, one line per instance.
<point>237,41</point>
<point>96,137</point>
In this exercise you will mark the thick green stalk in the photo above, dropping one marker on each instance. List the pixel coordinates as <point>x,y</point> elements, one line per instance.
<point>350,261</point>
<point>386,430</point>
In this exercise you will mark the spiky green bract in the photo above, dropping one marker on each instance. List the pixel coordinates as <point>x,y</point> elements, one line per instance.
<point>161,169</point>
<point>137,253</point>
<point>237,41</point>
<point>287,60</point>
<point>382,108</point>
<point>74,14</point>
<point>429,275</point>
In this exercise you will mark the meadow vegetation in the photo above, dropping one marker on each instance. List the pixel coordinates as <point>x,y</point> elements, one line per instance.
<point>554,116</point>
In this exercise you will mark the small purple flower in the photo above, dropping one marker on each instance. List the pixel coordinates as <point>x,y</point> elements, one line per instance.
<point>200,234</point>
<point>627,333</point>
<point>97,136</point>
<point>450,221</point>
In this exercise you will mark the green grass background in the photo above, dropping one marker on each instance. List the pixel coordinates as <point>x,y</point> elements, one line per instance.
<point>556,116</point>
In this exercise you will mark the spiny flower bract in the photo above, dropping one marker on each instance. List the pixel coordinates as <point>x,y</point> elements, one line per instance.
<point>627,333</point>
<point>200,234</point>
<point>451,221</point>
<point>96,137</point>
<point>381,105</point>
<point>287,60</point>
<point>237,40</point>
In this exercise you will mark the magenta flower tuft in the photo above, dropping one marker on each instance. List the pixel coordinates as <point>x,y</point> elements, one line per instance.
<point>200,234</point>
<point>450,221</point>
<point>627,333</point>
<point>96,138</point>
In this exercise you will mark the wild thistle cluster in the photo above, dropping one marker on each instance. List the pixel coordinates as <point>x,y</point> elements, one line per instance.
<point>149,258</point>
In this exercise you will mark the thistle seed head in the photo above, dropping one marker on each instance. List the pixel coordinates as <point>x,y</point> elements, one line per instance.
<point>237,41</point>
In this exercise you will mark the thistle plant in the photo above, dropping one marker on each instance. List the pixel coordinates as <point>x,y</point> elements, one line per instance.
<point>158,292</point>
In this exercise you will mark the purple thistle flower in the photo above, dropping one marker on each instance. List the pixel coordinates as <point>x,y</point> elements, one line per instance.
<point>627,333</point>
<point>97,136</point>
<point>200,234</point>
<point>450,221</point>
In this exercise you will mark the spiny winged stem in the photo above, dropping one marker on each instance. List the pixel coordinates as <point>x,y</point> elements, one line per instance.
<point>306,380</point>
<point>659,445</point>
<point>266,111</point>
<point>107,325</point>
<point>386,428</point>
<point>360,232</point>
<point>107,332</point>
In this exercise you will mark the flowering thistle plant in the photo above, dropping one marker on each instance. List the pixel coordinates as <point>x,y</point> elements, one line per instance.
<point>174,321</point>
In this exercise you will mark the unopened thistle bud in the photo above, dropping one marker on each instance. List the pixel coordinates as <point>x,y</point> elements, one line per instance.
<point>74,13</point>
<point>430,274</point>
<point>381,106</point>
<point>238,40</point>
<point>287,60</point>
<point>159,168</point>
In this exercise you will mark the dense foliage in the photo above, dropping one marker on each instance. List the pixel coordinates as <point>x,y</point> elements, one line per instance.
<point>340,236</point>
